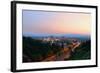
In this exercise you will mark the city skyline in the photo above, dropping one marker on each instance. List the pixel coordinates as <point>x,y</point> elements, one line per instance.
<point>46,23</point>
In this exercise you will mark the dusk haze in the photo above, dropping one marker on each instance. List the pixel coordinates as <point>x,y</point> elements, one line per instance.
<point>48,22</point>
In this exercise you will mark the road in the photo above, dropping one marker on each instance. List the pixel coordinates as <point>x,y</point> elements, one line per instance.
<point>78,43</point>
<point>65,54</point>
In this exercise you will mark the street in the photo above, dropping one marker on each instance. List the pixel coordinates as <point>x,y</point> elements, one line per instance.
<point>64,54</point>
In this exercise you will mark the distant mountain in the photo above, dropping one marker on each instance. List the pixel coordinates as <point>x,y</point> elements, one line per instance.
<point>59,35</point>
<point>76,36</point>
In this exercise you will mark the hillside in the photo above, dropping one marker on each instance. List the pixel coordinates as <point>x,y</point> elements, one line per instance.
<point>35,50</point>
<point>82,52</point>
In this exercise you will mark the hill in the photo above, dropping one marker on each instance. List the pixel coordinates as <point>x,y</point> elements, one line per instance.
<point>82,52</point>
<point>35,50</point>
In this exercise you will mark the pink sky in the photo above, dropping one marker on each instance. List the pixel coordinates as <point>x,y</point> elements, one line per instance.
<point>59,23</point>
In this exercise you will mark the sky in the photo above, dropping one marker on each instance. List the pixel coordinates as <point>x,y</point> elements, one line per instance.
<point>49,22</point>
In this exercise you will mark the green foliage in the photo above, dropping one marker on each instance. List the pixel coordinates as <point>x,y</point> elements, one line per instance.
<point>36,50</point>
<point>82,52</point>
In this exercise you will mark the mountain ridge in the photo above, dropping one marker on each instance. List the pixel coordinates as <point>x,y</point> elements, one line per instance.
<point>59,35</point>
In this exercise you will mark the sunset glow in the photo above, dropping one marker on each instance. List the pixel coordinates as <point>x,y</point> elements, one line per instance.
<point>36,22</point>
